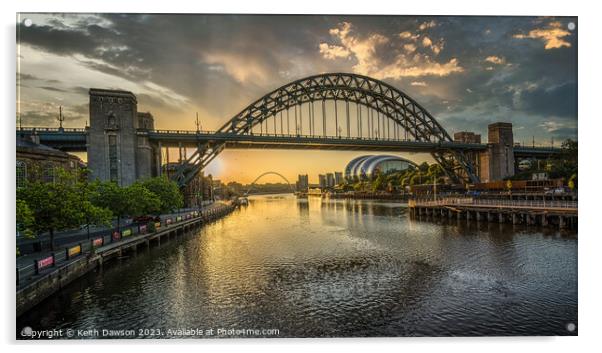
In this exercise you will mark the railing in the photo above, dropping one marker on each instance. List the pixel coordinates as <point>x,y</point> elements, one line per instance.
<point>466,201</point>
<point>86,246</point>
<point>51,129</point>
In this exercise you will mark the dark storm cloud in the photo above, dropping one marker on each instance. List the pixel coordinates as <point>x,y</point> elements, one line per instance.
<point>223,63</point>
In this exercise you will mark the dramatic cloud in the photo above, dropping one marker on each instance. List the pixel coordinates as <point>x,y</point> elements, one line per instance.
<point>333,51</point>
<point>466,71</point>
<point>495,60</point>
<point>426,25</point>
<point>409,63</point>
<point>552,35</point>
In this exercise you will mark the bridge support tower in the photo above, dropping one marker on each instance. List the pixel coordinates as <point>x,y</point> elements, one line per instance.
<point>118,144</point>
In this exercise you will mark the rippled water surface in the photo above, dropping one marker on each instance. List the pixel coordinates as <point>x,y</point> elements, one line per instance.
<point>324,268</point>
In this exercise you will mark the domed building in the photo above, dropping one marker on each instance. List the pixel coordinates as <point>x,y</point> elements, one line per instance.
<point>364,167</point>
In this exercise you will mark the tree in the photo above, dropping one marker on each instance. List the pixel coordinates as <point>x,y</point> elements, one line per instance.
<point>416,179</point>
<point>168,192</point>
<point>378,183</point>
<point>142,200</point>
<point>25,219</point>
<point>57,205</point>
<point>109,195</point>
<point>134,200</point>
<point>93,215</point>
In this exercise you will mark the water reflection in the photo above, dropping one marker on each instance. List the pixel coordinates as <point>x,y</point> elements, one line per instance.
<point>316,267</point>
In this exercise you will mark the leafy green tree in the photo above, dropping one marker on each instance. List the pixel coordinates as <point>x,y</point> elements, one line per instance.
<point>134,200</point>
<point>416,179</point>
<point>168,192</point>
<point>25,219</point>
<point>93,214</point>
<point>58,205</point>
<point>378,183</point>
<point>142,200</point>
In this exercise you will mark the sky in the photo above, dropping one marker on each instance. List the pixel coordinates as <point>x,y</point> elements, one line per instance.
<point>466,71</point>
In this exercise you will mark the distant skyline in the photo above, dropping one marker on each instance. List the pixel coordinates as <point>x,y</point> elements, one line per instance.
<point>466,71</point>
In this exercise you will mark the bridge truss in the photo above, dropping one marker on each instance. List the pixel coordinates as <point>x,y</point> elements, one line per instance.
<point>342,105</point>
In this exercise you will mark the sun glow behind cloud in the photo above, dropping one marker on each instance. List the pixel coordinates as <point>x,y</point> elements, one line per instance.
<point>408,63</point>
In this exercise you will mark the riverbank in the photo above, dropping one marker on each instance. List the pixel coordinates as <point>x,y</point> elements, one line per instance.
<point>52,273</point>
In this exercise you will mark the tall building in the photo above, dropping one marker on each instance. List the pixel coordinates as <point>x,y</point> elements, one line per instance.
<point>497,162</point>
<point>322,181</point>
<point>302,182</point>
<point>118,145</point>
<point>329,180</point>
<point>338,178</point>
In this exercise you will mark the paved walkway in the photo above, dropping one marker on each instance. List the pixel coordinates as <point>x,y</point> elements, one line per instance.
<point>26,262</point>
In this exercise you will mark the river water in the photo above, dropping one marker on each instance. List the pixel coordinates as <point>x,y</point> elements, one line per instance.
<point>284,267</point>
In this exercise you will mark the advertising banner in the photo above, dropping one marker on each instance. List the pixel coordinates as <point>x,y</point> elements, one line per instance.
<point>98,242</point>
<point>74,251</point>
<point>45,262</point>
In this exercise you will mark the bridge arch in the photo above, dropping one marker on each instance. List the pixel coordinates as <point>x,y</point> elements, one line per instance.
<point>270,173</point>
<point>377,97</point>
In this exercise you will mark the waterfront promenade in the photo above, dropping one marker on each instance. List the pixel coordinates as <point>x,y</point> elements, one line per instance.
<point>42,275</point>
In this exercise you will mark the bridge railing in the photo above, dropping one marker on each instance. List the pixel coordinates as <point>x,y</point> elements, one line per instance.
<point>465,201</point>
<point>51,129</point>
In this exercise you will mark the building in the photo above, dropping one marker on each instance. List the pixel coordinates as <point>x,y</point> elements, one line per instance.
<point>118,145</point>
<point>330,180</point>
<point>365,167</point>
<point>302,183</point>
<point>40,162</point>
<point>338,178</point>
<point>497,161</point>
<point>467,137</point>
<point>322,181</point>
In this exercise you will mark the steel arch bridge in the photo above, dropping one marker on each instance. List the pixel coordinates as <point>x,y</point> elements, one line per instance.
<point>382,112</point>
<point>270,173</point>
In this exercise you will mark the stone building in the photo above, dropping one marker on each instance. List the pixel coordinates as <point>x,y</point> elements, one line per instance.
<point>497,161</point>
<point>467,137</point>
<point>118,145</point>
<point>39,162</point>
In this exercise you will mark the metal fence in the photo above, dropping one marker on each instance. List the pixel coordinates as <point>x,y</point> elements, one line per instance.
<point>61,256</point>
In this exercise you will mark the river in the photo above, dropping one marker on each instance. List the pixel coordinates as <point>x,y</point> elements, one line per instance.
<point>283,267</point>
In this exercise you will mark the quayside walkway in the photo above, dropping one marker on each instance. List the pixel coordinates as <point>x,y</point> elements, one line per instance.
<point>49,272</point>
<point>562,214</point>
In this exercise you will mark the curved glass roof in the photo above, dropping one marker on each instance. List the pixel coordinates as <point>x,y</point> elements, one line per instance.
<point>364,166</point>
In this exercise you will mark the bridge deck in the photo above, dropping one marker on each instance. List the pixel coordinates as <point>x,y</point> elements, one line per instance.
<point>76,140</point>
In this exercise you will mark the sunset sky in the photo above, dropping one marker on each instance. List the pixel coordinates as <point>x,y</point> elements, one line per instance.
<point>466,71</point>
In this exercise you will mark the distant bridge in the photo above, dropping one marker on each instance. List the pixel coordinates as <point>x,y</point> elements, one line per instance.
<point>270,173</point>
<point>339,111</point>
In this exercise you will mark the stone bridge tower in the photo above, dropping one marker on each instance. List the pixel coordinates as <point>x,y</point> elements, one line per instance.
<point>118,145</point>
